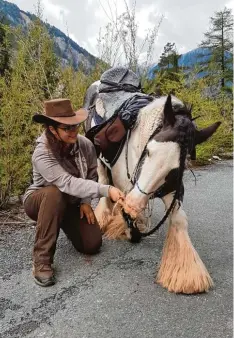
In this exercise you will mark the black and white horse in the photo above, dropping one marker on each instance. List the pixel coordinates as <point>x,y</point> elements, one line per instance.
<point>151,164</point>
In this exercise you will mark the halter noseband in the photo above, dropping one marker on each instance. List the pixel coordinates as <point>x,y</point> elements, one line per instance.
<point>142,191</point>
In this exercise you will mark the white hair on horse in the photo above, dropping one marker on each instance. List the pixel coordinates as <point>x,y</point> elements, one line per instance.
<point>163,164</point>
<point>149,118</point>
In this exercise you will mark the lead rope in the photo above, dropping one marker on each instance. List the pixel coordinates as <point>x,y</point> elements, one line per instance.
<point>126,156</point>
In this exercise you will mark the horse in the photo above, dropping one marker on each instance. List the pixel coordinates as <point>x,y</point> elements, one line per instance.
<point>150,158</point>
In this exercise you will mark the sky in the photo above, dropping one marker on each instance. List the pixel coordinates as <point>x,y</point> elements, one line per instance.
<point>184,22</point>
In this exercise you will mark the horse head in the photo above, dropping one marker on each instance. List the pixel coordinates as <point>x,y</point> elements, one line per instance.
<point>165,154</point>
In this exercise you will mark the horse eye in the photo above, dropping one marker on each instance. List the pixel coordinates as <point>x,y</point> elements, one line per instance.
<point>147,152</point>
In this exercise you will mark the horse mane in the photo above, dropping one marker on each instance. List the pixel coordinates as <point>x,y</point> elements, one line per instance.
<point>186,110</point>
<point>149,118</point>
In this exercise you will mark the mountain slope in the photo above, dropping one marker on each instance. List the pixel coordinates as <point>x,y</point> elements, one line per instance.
<point>188,61</point>
<point>68,50</point>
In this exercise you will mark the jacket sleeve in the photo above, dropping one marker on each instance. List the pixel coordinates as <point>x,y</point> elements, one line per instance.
<point>53,173</point>
<point>92,168</point>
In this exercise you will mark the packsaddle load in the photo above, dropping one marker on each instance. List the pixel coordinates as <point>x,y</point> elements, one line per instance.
<point>114,111</point>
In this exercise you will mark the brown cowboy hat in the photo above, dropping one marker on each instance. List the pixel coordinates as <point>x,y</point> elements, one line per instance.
<point>61,111</point>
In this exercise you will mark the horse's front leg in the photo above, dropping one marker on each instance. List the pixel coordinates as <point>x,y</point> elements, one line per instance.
<point>181,269</point>
<point>104,206</point>
<point>109,215</point>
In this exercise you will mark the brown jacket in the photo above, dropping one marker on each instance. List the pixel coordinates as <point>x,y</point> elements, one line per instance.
<point>47,171</point>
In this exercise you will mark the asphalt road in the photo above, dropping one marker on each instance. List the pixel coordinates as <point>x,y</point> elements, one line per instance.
<point>113,294</point>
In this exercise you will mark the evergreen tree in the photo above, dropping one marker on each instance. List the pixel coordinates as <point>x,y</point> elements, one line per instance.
<point>219,40</point>
<point>169,58</point>
<point>168,71</point>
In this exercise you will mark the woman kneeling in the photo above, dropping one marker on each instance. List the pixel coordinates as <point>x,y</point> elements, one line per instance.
<point>64,182</point>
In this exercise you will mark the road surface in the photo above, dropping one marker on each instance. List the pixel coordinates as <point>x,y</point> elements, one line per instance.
<point>113,294</point>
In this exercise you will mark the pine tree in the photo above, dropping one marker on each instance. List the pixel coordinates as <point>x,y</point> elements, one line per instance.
<point>219,40</point>
<point>168,71</point>
<point>169,58</point>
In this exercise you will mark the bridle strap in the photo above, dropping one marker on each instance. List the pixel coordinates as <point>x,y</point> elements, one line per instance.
<point>142,191</point>
<point>135,232</point>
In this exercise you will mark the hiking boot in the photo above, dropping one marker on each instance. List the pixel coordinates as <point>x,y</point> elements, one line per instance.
<point>43,274</point>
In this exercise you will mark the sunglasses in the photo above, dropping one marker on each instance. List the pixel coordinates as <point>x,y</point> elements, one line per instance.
<point>72,127</point>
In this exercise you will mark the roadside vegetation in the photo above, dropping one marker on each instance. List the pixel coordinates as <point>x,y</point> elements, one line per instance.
<point>30,72</point>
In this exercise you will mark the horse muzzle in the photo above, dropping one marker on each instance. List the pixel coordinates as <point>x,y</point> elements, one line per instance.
<point>135,235</point>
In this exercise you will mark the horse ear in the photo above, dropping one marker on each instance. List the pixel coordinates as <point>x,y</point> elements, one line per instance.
<point>203,134</point>
<point>169,115</point>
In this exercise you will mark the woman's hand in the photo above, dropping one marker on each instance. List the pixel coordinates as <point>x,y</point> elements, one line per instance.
<point>115,194</point>
<point>87,211</point>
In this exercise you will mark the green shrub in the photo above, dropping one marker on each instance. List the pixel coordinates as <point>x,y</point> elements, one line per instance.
<point>36,75</point>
